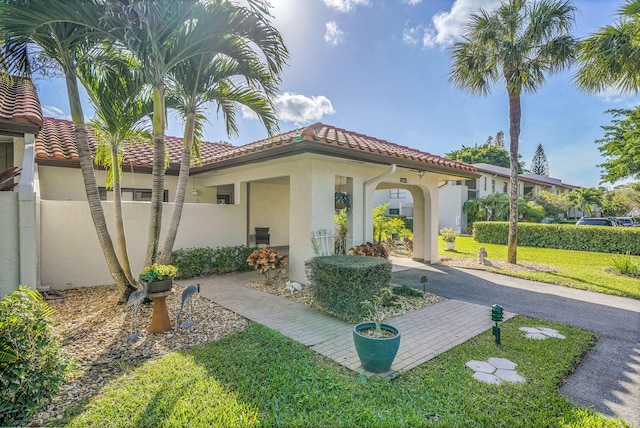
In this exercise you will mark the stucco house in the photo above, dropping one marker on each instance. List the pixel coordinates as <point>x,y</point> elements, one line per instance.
<point>454,193</point>
<point>286,183</point>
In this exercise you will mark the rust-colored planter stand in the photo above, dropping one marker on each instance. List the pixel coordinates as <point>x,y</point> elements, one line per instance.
<point>160,321</point>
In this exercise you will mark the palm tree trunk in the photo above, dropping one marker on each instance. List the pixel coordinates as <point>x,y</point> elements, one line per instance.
<point>121,239</point>
<point>181,190</point>
<point>157,187</point>
<point>90,185</point>
<point>515,113</point>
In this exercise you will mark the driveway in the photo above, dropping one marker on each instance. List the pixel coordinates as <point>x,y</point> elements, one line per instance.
<point>608,379</point>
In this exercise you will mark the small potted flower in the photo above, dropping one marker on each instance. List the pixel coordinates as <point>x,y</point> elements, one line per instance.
<point>265,260</point>
<point>449,237</point>
<point>158,278</point>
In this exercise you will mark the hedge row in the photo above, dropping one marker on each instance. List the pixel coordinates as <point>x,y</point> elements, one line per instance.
<point>197,262</point>
<point>605,239</point>
<point>341,283</point>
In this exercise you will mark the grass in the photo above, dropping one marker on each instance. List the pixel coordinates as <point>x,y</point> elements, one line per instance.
<point>261,378</point>
<point>576,269</point>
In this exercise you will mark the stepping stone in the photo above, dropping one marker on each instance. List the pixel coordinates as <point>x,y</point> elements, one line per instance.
<point>509,376</point>
<point>480,367</point>
<point>529,329</point>
<point>486,378</point>
<point>502,363</point>
<point>537,336</point>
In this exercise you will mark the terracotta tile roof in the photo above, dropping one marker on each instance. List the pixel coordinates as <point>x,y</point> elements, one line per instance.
<point>322,134</point>
<point>56,141</point>
<point>19,101</point>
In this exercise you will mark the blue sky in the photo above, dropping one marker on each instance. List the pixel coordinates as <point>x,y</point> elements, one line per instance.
<point>380,67</point>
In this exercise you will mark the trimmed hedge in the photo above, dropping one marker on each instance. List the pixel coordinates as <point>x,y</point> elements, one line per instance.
<point>341,283</point>
<point>605,239</point>
<point>197,262</point>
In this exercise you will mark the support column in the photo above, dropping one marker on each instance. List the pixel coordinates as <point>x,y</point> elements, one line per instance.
<point>27,215</point>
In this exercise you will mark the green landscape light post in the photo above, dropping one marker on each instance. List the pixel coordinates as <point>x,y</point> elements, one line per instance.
<point>497,315</point>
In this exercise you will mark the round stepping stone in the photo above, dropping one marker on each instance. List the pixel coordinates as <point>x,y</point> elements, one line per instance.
<point>502,363</point>
<point>480,367</point>
<point>487,378</point>
<point>509,376</point>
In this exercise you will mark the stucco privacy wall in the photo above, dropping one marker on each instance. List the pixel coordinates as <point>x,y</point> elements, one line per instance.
<point>452,198</point>
<point>71,255</point>
<point>9,243</point>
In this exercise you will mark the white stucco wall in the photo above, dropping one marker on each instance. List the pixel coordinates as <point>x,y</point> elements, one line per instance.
<point>452,198</point>
<point>269,206</point>
<point>9,243</point>
<point>71,255</point>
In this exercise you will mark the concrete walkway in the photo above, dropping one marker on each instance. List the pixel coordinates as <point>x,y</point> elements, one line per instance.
<point>425,333</point>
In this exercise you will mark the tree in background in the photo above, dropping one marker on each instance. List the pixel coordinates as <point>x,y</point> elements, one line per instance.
<point>585,199</point>
<point>555,205</point>
<point>609,58</point>
<point>539,163</point>
<point>497,141</point>
<point>517,44</point>
<point>620,146</point>
<point>385,226</point>
<point>489,153</point>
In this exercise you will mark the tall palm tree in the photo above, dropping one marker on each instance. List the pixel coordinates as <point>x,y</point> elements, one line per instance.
<point>54,27</point>
<point>585,199</point>
<point>517,45</point>
<point>164,33</point>
<point>117,92</point>
<point>610,58</point>
<point>220,80</point>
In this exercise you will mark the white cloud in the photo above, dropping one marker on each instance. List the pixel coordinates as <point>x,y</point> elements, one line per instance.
<point>334,34</point>
<point>412,2</point>
<point>346,5</point>
<point>613,96</point>
<point>410,35</point>
<point>448,26</point>
<point>55,112</point>
<point>297,108</point>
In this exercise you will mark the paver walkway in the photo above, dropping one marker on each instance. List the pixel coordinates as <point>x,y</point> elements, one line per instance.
<point>425,333</point>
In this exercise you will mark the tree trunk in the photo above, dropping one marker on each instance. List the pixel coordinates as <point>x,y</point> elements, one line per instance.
<point>157,189</point>
<point>121,239</point>
<point>515,113</point>
<point>90,185</point>
<point>183,178</point>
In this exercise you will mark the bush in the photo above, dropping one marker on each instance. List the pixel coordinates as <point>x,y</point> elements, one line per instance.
<point>371,250</point>
<point>405,290</point>
<point>39,365</point>
<point>341,283</point>
<point>195,262</point>
<point>625,265</point>
<point>605,239</point>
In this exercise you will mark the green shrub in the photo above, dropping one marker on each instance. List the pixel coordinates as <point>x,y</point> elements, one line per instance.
<point>606,239</point>
<point>624,264</point>
<point>39,365</point>
<point>405,290</point>
<point>341,283</point>
<point>195,262</point>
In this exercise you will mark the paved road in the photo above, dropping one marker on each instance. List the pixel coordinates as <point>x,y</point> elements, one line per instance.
<point>608,379</point>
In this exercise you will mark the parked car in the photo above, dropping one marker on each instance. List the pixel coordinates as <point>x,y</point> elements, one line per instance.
<point>598,221</point>
<point>626,221</point>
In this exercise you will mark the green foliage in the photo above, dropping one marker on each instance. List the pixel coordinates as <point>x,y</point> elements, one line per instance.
<point>405,290</point>
<point>195,262</point>
<point>385,226</point>
<point>585,199</point>
<point>34,364</point>
<point>340,220</point>
<point>605,239</point>
<point>341,283</point>
<point>624,264</point>
<point>555,205</point>
<point>486,153</point>
<point>539,163</point>
<point>372,250</point>
<point>619,146</point>
<point>448,234</point>
<point>374,308</point>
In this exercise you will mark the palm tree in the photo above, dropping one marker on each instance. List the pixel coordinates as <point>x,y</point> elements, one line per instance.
<point>54,28</point>
<point>585,199</point>
<point>164,33</point>
<point>117,92</point>
<point>610,58</point>
<point>217,79</point>
<point>517,44</point>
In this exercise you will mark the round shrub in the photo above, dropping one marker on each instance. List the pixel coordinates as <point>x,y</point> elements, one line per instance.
<point>34,364</point>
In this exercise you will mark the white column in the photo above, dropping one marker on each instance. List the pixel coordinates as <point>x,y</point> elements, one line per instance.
<point>27,215</point>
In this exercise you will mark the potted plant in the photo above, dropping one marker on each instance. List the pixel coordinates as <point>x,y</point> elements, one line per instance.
<point>449,237</point>
<point>342,201</point>
<point>376,343</point>
<point>158,278</point>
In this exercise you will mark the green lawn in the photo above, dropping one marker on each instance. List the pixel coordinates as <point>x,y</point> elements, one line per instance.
<point>261,378</point>
<point>577,269</point>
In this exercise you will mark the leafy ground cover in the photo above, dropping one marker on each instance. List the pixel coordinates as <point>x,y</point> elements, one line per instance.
<point>260,378</point>
<point>576,269</point>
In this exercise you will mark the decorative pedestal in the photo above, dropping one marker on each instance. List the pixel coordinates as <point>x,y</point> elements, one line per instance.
<point>160,321</point>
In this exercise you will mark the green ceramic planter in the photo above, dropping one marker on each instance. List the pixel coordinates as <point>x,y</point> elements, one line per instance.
<point>376,354</point>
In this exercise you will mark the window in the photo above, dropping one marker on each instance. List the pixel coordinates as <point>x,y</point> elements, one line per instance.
<point>223,199</point>
<point>493,186</point>
<point>504,188</point>
<point>485,184</point>
<point>397,193</point>
<point>129,194</point>
<point>6,156</point>
<point>394,211</point>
